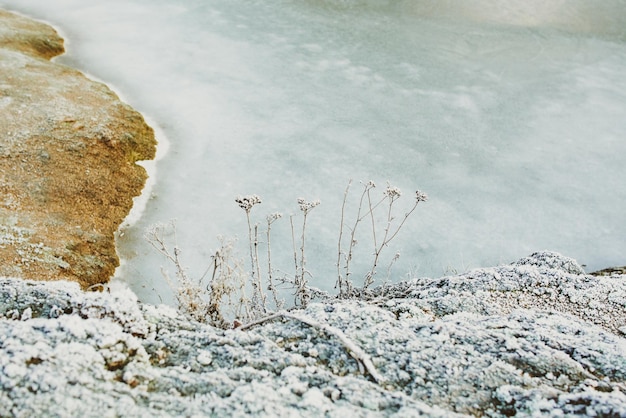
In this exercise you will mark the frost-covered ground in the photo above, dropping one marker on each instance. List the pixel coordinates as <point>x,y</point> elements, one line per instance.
<point>538,337</point>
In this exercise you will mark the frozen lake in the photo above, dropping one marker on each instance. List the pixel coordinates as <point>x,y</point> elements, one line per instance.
<point>511,116</point>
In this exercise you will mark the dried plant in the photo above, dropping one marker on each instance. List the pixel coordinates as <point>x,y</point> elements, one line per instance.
<point>343,280</point>
<point>302,292</point>
<point>228,281</point>
<point>271,218</point>
<point>227,285</point>
<point>259,301</point>
<point>391,194</point>
<point>225,291</point>
<point>366,209</point>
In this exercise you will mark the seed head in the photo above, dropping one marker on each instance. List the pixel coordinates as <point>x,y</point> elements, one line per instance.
<point>307,206</point>
<point>273,216</point>
<point>393,192</point>
<point>421,196</point>
<point>247,202</point>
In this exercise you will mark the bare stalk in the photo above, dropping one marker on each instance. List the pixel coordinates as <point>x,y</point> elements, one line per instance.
<point>359,218</point>
<point>188,294</point>
<point>302,257</point>
<point>259,286</point>
<point>371,214</point>
<point>302,293</point>
<point>258,299</point>
<point>369,278</point>
<point>392,193</point>
<point>155,238</point>
<point>295,252</point>
<point>367,187</point>
<point>271,219</point>
<point>391,263</point>
<point>406,216</point>
<point>340,279</point>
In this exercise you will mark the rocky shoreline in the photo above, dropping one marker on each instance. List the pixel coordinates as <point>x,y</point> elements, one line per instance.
<point>67,161</point>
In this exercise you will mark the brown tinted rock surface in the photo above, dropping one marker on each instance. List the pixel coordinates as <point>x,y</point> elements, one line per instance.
<point>611,271</point>
<point>68,148</point>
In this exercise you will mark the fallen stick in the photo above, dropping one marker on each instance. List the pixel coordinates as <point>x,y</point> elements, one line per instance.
<point>362,358</point>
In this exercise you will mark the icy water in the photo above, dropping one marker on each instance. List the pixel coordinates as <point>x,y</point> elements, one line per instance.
<point>510,115</point>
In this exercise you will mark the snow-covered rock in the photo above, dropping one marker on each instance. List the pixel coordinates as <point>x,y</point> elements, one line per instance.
<point>525,339</point>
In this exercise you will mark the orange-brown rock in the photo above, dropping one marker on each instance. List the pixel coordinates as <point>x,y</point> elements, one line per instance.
<point>68,148</point>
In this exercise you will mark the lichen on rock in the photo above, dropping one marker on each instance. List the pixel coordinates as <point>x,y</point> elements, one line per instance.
<point>68,149</point>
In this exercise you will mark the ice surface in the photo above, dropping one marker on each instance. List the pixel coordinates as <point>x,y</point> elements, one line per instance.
<point>511,116</point>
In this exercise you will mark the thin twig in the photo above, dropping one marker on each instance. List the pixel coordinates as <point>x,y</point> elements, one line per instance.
<point>295,251</point>
<point>270,219</point>
<point>340,280</point>
<point>406,216</point>
<point>259,284</point>
<point>252,264</point>
<point>392,193</point>
<point>354,350</point>
<point>302,257</point>
<point>369,278</point>
<point>371,213</point>
<point>359,218</point>
<point>302,291</point>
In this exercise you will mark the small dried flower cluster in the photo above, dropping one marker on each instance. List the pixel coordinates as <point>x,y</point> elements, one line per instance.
<point>393,192</point>
<point>273,217</point>
<point>247,202</point>
<point>421,196</point>
<point>307,206</point>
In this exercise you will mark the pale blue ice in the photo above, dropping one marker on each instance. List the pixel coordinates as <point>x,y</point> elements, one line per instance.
<point>510,115</point>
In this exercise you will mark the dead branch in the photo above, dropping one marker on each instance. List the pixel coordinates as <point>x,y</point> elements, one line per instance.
<point>362,358</point>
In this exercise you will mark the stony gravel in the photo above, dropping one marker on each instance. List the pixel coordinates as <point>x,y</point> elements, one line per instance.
<point>454,345</point>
